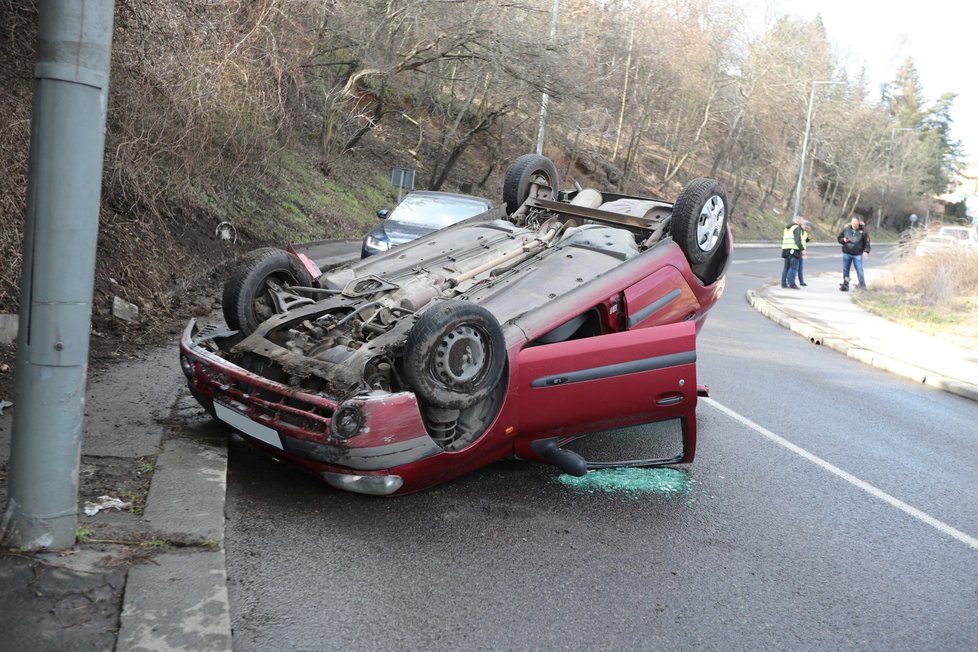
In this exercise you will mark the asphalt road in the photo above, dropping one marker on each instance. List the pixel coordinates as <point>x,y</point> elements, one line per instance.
<point>816,516</point>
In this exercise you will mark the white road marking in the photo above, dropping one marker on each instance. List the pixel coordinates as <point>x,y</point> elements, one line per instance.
<point>851,479</point>
<point>772,259</point>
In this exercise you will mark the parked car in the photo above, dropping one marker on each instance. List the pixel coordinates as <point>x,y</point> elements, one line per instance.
<point>419,213</point>
<point>558,314</point>
<point>931,243</point>
<point>947,237</point>
<point>961,234</point>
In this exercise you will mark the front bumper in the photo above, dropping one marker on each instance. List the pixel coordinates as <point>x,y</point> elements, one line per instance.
<point>352,444</point>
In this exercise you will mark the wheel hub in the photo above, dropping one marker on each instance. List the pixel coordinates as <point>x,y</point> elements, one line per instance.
<point>461,355</point>
<point>709,226</point>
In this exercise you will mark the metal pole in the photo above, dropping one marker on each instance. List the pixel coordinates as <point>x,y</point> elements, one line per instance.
<point>546,96</point>
<point>804,145</point>
<point>71,75</point>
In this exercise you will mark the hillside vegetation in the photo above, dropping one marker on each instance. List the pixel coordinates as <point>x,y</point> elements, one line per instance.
<point>284,117</point>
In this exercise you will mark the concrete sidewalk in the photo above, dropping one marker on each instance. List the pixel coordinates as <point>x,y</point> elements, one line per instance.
<point>828,317</point>
<point>149,576</point>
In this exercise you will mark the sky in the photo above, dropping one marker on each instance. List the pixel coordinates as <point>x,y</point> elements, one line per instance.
<point>941,36</point>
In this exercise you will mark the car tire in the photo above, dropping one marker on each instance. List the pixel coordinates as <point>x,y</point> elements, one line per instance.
<point>530,175</point>
<point>699,221</point>
<point>246,301</point>
<point>455,354</point>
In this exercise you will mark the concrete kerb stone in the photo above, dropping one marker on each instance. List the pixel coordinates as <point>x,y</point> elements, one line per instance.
<point>178,603</point>
<point>806,330</point>
<point>872,358</point>
<point>953,386</point>
<point>181,601</point>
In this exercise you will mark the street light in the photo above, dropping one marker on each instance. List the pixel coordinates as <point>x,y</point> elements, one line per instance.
<point>546,94</point>
<point>804,144</point>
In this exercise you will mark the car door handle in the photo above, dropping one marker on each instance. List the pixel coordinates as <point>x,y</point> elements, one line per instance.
<point>669,400</point>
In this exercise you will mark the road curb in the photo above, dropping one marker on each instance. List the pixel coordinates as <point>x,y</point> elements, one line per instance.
<point>180,601</point>
<point>821,337</point>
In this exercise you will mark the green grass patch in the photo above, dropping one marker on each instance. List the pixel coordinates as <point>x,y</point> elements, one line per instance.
<point>895,307</point>
<point>136,500</point>
<point>289,200</point>
<point>756,225</point>
<point>84,533</point>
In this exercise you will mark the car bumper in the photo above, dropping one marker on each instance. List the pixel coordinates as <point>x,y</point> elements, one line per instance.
<point>357,445</point>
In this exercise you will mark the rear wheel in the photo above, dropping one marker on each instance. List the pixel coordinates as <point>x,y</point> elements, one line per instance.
<point>699,226</point>
<point>531,175</point>
<point>247,299</point>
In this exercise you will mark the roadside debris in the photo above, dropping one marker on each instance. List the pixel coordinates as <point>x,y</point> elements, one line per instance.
<point>104,502</point>
<point>124,310</point>
<point>4,405</point>
<point>226,231</point>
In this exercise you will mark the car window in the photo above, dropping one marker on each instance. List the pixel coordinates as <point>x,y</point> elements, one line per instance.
<point>435,212</point>
<point>961,234</point>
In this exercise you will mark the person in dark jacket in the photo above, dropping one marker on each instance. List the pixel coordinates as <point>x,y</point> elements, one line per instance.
<point>855,244</point>
<point>792,247</point>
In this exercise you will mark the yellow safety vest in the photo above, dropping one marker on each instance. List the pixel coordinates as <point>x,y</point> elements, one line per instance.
<point>788,237</point>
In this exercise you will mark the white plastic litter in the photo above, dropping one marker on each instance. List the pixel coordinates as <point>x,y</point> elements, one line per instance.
<point>104,502</point>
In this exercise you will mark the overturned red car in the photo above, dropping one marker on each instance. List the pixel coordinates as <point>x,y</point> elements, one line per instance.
<point>513,333</point>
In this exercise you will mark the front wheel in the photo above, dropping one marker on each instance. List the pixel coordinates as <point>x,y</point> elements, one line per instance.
<point>455,354</point>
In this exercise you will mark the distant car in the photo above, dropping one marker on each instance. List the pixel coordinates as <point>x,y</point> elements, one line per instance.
<point>418,214</point>
<point>962,234</point>
<point>947,237</point>
<point>515,333</point>
<point>933,243</point>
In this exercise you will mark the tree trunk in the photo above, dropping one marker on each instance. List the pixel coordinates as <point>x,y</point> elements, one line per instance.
<point>370,123</point>
<point>770,189</point>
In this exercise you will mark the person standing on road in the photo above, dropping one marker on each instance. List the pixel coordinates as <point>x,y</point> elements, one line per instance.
<point>791,251</point>
<point>806,234</point>
<point>855,243</point>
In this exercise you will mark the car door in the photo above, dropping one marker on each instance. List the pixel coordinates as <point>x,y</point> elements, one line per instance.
<point>606,381</point>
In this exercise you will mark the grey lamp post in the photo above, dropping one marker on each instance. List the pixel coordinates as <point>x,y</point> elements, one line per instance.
<point>804,144</point>
<point>71,79</point>
<point>546,95</point>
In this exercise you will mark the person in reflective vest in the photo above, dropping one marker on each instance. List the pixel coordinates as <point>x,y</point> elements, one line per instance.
<point>792,247</point>
<point>806,235</point>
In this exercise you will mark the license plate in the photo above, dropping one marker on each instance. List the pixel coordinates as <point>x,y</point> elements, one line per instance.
<point>240,422</point>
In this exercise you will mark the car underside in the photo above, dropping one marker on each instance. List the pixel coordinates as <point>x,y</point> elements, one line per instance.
<point>393,362</point>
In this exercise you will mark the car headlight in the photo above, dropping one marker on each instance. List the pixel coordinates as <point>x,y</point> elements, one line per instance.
<point>346,421</point>
<point>376,244</point>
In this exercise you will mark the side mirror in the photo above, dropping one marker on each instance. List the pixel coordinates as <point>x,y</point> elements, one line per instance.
<point>383,213</point>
